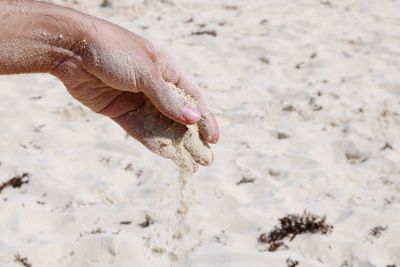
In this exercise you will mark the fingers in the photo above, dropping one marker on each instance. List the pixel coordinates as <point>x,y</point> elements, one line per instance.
<point>208,125</point>
<point>170,101</point>
<point>200,151</point>
<point>125,102</point>
<point>139,116</point>
<point>135,125</point>
<point>163,136</point>
<point>171,73</point>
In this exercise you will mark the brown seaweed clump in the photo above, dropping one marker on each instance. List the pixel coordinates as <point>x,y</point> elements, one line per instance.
<point>22,260</point>
<point>293,225</point>
<point>16,181</point>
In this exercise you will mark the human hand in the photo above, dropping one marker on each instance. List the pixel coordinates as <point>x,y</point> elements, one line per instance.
<point>115,72</point>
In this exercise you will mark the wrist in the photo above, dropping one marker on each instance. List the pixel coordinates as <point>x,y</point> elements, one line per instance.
<point>61,27</point>
<point>37,36</point>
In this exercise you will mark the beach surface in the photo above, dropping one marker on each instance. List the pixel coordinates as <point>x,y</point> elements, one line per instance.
<point>307,96</point>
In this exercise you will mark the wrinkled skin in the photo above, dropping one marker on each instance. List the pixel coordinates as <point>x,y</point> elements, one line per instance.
<point>105,67</point>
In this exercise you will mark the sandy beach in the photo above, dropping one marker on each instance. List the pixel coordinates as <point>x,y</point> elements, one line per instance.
<point>307,96</point>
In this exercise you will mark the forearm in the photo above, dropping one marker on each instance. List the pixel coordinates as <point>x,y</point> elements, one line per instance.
<point>37,36</point>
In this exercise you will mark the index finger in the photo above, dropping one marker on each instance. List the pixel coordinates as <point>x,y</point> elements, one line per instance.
<point>208,125</point>
<point>171,73</point>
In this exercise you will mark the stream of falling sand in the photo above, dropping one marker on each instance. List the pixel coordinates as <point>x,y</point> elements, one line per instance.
<point>166,136</point>
<point>187,243</point>
<point>189,150</point>
<point>186,239</point>
<point>176,208</point>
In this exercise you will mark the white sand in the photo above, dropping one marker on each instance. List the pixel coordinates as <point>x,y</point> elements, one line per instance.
<point>339,107</point>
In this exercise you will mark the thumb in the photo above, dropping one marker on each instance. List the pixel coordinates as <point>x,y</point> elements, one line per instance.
<point>172,101</point>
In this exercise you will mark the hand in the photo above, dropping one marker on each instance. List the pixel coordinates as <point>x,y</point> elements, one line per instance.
<point>115,72</point>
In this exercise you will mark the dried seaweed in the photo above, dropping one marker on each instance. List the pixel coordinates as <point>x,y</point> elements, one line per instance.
<point>377,231</point>
<point>293,225</point>
<point>292,263</point>
<point>16,181</point>
<point>245,180</point>
<point>205,32</point>
<point>148,221</point>
<point>23,261</point>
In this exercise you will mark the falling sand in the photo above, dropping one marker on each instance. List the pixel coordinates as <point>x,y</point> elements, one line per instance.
<point>188,149</point>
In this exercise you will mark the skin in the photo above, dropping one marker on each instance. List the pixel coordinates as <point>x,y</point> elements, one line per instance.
<point>107,68</point>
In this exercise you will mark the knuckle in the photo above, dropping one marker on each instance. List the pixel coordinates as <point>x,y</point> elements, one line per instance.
<point>155,52</point>
<point>161,58</point>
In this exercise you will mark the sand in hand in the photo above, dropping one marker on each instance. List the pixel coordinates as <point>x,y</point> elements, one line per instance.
<point>181,143</point>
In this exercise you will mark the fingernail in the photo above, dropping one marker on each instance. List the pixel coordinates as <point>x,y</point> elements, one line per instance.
<point>190,114</point>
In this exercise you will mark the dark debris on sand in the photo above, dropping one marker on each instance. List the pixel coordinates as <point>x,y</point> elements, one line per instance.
<point>245,180</point>
<point>293,225</point>
<point>205,32</point>
<point>106,3</point>
<point>22,260</point>
<point>147,222</point>
<point>292,263</point>
<point>127,222</point>
<point>16,182</point>
<point>377,231</point>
